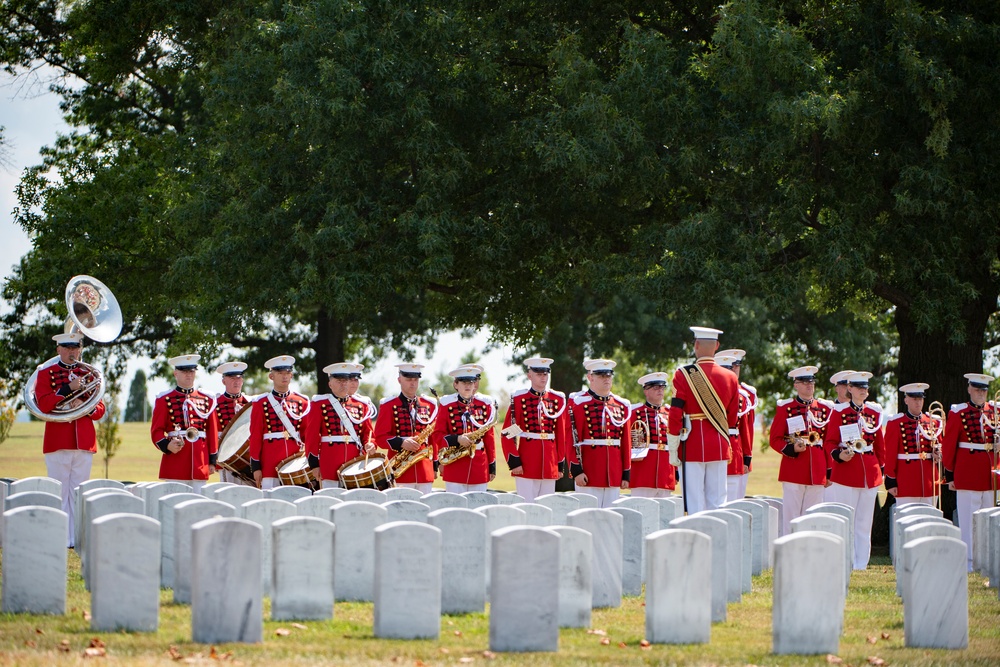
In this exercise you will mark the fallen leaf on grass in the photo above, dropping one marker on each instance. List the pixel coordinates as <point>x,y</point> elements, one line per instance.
<point>444,649</point>
<point>419,663</point>
<point>39,631</point>
<point>97,643</point>
<point>215,655</point>
<point>489,655</point>
<point>596,632</point>
<point>30,644</point>
<point>644,644</point>
<point>622,645</point>
<point>174,653</point>
<point>875,660</point>
<point>605,641</point>
<point>466,659</point>
<point>282,632</point>
<point>299,626</point>
<point>833,660</point>
<point>458,633</point>
<point>872,639</point>
<point>86,615</point>
<point>94,652</point>
<point>64,646</point>
<point>885,635</point>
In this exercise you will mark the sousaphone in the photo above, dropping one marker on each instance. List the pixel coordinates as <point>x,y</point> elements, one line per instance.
<point>94,312</point>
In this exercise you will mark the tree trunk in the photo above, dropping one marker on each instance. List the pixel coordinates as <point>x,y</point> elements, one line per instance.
<point>329,347</point>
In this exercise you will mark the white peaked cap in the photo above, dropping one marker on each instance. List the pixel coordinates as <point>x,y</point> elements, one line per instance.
<point>599,365</point>
<point>915,388</point>
<point>839,376</point>
<point>410,368</point>
<point>231,367</point>
<point>184,361</point>
<point>658,377</point>
<point>467,371</point>
<point>735,352</point>
<point>282,361</point>
<point>343,368</point>
<point>725,359</point>
<point>978,378</point>
<point>64,338</point>
<point>803,372</point>
<point>858,376</point>
<point>538,362</point>
<point>706,333</point>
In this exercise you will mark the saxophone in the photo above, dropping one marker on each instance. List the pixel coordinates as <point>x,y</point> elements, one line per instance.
<point>451,454</point>
<point>404,460</point>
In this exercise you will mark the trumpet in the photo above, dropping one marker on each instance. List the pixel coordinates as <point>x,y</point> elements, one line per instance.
<point>449,455</point>
<point>810,438</point>
<point>857,446</point>
<point>192,434</point>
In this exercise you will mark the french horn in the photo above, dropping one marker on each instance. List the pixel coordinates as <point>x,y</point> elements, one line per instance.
<point>94,312</point>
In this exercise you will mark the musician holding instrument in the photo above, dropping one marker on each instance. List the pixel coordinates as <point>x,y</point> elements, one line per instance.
<point>969,453</point>
<point>463,437</point>
<point>68,446</point>
<point>185,427</point>
<point>797,433</point>
<point>404,430</point>
<point>535,433</point>
<point>276,423</point>
<point>651,475</point>
<point>230,403</point>
<point>340,426</point>
<point>601,458</point>
<point>912,449</point>
<point>738,470</point>
<point>855,443</point>
<point>706,396</point>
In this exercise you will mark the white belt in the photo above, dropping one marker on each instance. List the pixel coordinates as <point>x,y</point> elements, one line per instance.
<point>278,436</point>
<point>538,436</point>
<point>182,434</point>
<point>336,438</point>
<point>973,446</point>
<point>608,442</point>
<point>914,457</point>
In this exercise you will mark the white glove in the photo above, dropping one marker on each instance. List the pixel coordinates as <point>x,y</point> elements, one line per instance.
<point>673,446</point>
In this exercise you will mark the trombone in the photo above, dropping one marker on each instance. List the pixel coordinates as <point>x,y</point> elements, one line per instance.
<point>931,428</point>
<point>991,422</point>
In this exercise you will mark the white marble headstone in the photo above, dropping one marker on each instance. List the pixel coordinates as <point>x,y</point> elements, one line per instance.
<point>166,519</point>
<point>98,505</point>
<point>561,504</point>
<point>236,495</point>
<point>334,491</point>
<point>936,597</point>
<point>152,494</point>
<point>576,588</point>
<point>807,616</point>
<point>364,495</point>
<point>42,484</point>
<point>536,514</point>
<point>981,538</point>
<point>88,485</point>
<point>834,524</point>
<point>669,510</point>
<point>302,568</point>
<point>289,492</point>
<point>477,499</point>
<point>125,572</point>
<point>718,530</point>
<point>678,567</point>
<point>587,501</point>
<point>317,506</point>
<point>524,612</point>
<point>759,529</point>
<point>440,500</point>
<point>632,525</point>
<point>463,552</point>
<point>734,551</point>
<point>406,510</point>
<point>607,529</point>
<point>32,499</point>
<point>226,598</point>
<point>650,510</point>
<point>186,514</point>
<point>916,532</point>
<point>900,512</point>
<point>407,580</point>
<point>508,498</point>
<point>265,512</point>
<point>498,516</point>
<point>34,561</point>
<point>745,549</point>
<point>402,493</point>
<point>354,555</point>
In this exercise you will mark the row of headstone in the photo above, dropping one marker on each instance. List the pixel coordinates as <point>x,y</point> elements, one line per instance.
<point>986,544</point>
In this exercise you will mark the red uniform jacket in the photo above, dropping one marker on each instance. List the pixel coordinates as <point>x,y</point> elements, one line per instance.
<point>175,411</point>
<point>864,471</point>
<point>270,443</point>
<point>704,443</point>
<point>966,461</point>
<point>601,424</point>
<point>456,418</point>
<point>739,464</point>
<point>51,385</point>
<point>654,470</point>
<point>227,407</point>
<point>402,418</point>
<point>545,422</point>
<point>811,466</point>
<point>328,441</point>
<point>909,457</point>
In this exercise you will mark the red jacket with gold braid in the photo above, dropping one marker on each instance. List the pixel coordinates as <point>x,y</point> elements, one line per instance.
<point>745,416</point>
<point>175,411</point>
<point>402,418</point>
<point>601,424</point>
<point>863,471</point>
<point>456,418</point>
<point>966,460</point>
<point>542,446</point>
<point>328,441</point>
<point>270,443</point>
<point>812,466</point>
<point>909,457</point>
<point>227,407</point>
<point>654,470</point>
<point>51,386</point>
<point>704,443</point>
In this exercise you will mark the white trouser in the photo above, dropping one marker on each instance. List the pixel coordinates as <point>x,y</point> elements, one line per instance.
<point>649,492</point>
<point>796,499</point>
<point>704,485</point>
<point>269,483</point>
<point>863,502</point>
<point>606,495</point>
<point>422,487</point>
<point>455,487</point>
<point>195,484</point>
<point>967,502</point>
<point>331,483</point>
<point>529,489</point>
<point>72,468</point>
<point>744,478</point>
<point>733,484</point>
<point>928,500</point>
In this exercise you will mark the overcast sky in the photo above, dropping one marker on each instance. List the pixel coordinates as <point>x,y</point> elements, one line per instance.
<point>31,118</point>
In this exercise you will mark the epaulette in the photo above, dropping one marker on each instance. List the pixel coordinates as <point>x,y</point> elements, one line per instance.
<point>827,404</point>
<point>519,392</point>
<point>484,398</point>
<point>168,391</point>
<point>840,407</point>
<point>750,388</point>
<point>363,399</point>
<point>558,393</point>
<point>582,397</point>
<point>958,407</point>
<point>322,397</point>
<point>873,405</point>
<point>783,402</point>
<point>636,406</point>
<point>449,399</point>
<point>894,417</point>
<point>387,399</point>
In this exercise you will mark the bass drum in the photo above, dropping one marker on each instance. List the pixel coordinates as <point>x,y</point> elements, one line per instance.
<point>294,471</point>
<point>234,448</point>
<point>366,472</point>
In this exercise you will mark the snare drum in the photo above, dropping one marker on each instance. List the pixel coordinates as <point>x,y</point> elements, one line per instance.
<point>294,471</point>
<point>234,447</point>
<point>371,472</point>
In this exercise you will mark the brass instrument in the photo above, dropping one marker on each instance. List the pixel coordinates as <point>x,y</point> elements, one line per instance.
<point>449,455</point>
<point>932,432</point>
<point>857,446</point>
<point>640,434</point>
<point>94,312</point>
<point>810,438</point>
<point>191,434</point>
<point>404,460</point>
<point>992,421</point>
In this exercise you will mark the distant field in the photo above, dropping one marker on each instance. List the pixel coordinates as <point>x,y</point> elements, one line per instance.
<point>138,460</point>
